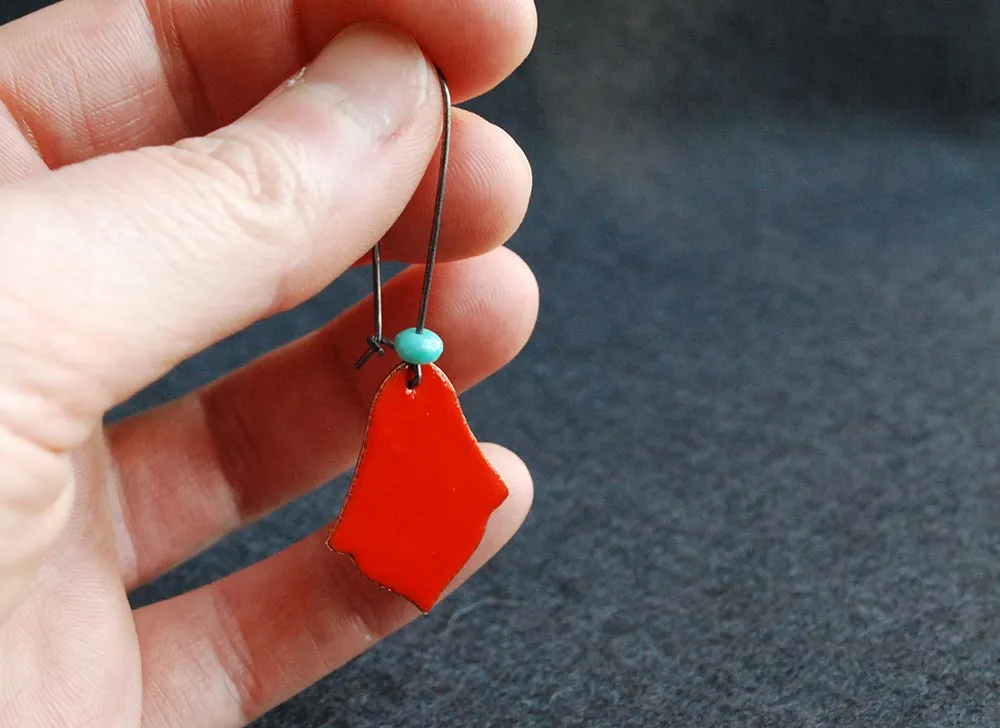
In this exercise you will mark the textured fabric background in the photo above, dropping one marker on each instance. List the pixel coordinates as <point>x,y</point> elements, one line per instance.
<point>761,406</point>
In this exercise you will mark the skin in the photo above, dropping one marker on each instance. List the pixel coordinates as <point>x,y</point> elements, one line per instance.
<point>161,188</point>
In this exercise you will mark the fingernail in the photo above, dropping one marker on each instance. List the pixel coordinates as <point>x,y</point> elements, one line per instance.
<point>377,73</point>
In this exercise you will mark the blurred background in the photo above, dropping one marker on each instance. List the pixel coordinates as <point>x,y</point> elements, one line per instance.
<point>761,404</point>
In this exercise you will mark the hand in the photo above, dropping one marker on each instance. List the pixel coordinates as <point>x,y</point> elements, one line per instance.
<point>118,264</point>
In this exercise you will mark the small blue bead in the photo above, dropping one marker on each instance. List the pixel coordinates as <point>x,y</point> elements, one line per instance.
<point>425,347</point>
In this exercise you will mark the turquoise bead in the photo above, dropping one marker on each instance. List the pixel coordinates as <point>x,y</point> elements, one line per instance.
<point>424,347</point>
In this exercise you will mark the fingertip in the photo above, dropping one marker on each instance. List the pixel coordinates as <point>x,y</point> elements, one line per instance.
<point>524,290</point>
<point>508,518</point>
<point>489,189</point>
<point>520,484</point>
<point>501,184</point>
<point>517,286</point>
<point>521,28</point>
<point>528,287</point>
<point>528,33</point>
<point>495,296</point>
<point>498,38</point>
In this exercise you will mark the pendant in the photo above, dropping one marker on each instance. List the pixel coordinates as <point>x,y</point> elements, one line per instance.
<point>422,492</point>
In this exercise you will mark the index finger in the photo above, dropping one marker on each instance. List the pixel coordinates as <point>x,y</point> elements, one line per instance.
<point>89,77</point>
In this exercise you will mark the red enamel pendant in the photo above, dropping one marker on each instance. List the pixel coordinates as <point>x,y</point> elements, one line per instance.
<point>422,492</point>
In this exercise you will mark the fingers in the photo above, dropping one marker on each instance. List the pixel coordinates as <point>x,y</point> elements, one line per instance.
<point>118,268</point>
<point>199,468</point>
<point>88,77</point>
<point>252,640</point>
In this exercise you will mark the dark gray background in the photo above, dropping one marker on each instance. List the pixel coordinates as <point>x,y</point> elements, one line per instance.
<point>761,406</point>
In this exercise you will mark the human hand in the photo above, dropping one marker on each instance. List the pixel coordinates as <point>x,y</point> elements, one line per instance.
<point>120,264</point>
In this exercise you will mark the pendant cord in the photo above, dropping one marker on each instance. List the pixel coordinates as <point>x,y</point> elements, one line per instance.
<point>432,248</point>
<point>377,343</point>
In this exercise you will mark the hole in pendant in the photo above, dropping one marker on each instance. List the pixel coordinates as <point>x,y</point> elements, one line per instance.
<point>416,375</point>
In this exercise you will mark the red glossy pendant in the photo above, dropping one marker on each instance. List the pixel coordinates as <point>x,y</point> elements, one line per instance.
<point>422,492</point>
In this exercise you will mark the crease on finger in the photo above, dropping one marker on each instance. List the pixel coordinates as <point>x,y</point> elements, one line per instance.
<point>191,100</point>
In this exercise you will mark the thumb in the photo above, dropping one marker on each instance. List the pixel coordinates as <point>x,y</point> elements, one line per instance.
<point>118,268</point>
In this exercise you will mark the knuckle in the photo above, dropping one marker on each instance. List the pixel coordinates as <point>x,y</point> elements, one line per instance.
<point>256,176</point>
